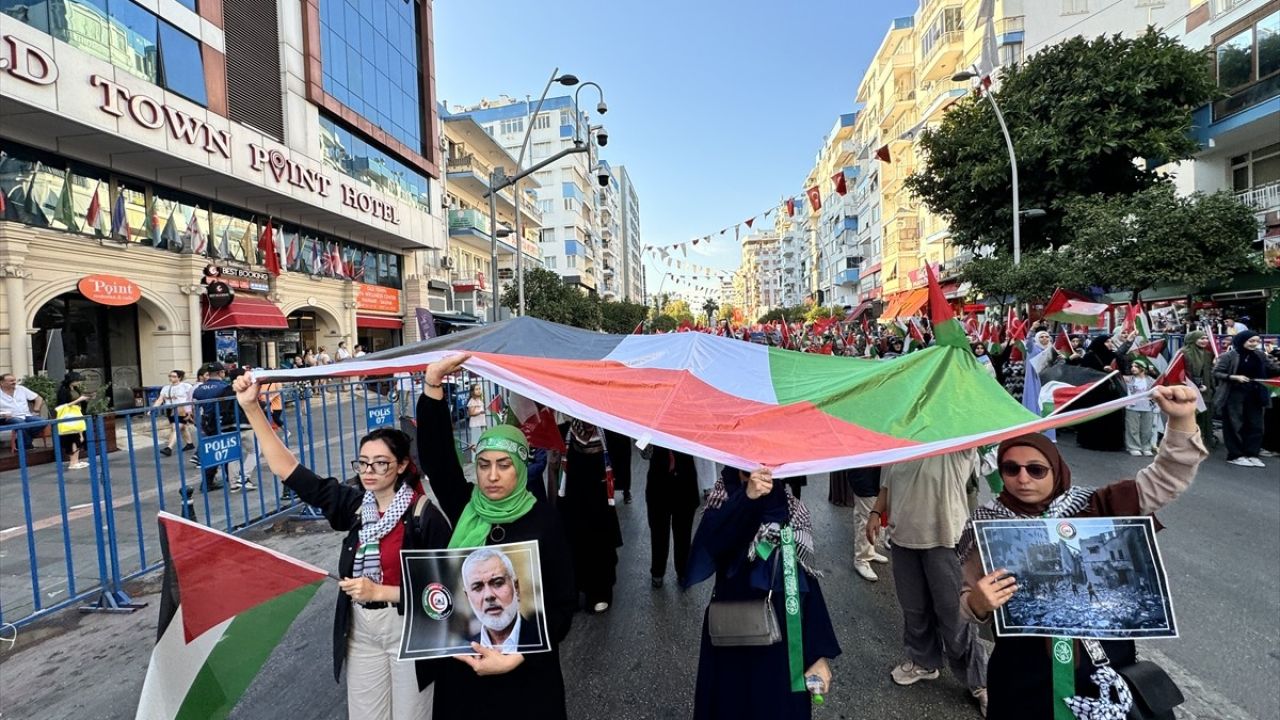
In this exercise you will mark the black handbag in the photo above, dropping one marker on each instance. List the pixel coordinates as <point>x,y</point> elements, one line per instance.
<point>1154,693</point>
<point>745,623</point>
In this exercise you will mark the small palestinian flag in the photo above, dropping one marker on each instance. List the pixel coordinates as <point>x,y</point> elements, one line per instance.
<point>225,605</point>
<point>1069,307</point>
<point>1272,385</point>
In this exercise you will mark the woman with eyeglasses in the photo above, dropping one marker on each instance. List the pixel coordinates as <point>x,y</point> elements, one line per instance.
<point>385,512</point>
<point>1037,483</point>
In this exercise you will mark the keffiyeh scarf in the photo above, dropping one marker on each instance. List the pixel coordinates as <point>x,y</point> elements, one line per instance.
<point>1103,707</point>
<point>373,528</point>
<point>771,532</point>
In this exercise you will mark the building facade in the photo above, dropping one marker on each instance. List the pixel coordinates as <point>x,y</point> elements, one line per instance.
<point>570,237</point>
<point>473,154</point>
<point>632,282</point>
<point>836,262</point>
<point>760,274</point>
<point>151,151</point>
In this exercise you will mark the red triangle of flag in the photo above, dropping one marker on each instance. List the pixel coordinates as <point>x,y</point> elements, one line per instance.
<point>220,576</point>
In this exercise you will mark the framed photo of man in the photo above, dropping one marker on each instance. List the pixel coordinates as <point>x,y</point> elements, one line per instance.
<point>491,595</point>
<point>1097,578</point>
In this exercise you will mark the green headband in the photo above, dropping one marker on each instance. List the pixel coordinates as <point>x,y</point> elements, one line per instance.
<point>507,439</point>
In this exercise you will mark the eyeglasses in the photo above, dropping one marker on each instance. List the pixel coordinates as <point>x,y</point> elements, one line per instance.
<point>377,467</point>
<point>1011,469</point>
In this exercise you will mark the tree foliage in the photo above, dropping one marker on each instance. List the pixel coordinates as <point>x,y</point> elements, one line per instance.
<point>679,309</point>
<point>1156,238</point>
<point>664,323</point>
<point>1080,113</point>
<point>621,317</point>
<point>792,314</point>
<point>547,297</point>
<point>726,312</point>
<point>1033,280</point>
<point>822,312</point>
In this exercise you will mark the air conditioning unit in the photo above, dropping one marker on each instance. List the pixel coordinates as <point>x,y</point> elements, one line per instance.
<point>446,262</point>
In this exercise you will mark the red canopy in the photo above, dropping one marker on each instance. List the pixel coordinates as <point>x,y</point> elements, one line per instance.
<point>245,311</point>
<point>379,322</point>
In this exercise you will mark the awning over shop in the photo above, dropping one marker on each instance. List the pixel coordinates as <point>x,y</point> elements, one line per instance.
<point>907,304</point>
<point>861,308</point>
<point>954,290</point>
<point>379,322</point>
<point>245,311</point>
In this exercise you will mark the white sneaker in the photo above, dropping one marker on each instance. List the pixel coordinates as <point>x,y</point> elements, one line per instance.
<point>600,607</point>
<point>235,486</point>
<point>909,673</point>
<point>1242,462</point>
<point>1135,453</point>
<point>78,466</point>
<point>878,558</point>
<point>1256,462</point>
<point>1148,453</point>
<point>1268,453</point>
<point>864,569</point>
<point>249,485</point>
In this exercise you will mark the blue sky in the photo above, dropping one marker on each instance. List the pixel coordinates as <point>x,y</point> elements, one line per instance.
<point>717,108</point>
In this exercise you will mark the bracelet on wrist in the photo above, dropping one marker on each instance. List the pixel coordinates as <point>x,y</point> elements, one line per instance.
<point>876,512</point>
<point>432,385</point>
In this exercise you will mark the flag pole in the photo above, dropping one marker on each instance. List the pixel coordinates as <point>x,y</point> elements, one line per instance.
<point>1068,403</point>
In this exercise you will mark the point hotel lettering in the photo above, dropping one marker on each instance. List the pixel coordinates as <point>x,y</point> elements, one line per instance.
<point>33,65</point>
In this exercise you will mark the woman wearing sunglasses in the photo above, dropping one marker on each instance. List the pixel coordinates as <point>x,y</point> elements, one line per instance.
<point>1037,483</point>
<point>386,511</point>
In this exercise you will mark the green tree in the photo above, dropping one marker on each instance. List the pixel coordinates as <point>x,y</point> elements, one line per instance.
<point>1080,113</point>
<point>725,312</point>
<point>678,309</point>
<point>665,323</point>
<point>621,317</point>
<point>547,297</point>
<point>1034,280</point>
<point>1156,238</point>
<point>796,313</point>
<point>819,312</point>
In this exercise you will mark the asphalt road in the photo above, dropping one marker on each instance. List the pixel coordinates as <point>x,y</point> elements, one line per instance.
<point>639,659</point>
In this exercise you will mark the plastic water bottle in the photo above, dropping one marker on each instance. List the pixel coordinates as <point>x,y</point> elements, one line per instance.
<point>814,685</point>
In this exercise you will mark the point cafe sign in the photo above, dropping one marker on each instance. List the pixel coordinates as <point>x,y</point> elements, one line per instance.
<point>109,290</point>
<point>33,65</point>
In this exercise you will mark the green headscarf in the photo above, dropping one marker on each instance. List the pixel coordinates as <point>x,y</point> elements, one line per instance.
<point>1199,360</point>
<point>481,513</point>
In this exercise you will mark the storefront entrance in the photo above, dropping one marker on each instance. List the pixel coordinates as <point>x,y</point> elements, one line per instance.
<point>98,341</point>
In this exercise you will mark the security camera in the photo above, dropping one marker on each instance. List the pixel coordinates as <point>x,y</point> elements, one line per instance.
<point>602,175</point>
<point>602,108</point>
<point>602,137</point>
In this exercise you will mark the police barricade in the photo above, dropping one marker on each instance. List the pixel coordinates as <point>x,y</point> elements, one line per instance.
<point>89,530</point>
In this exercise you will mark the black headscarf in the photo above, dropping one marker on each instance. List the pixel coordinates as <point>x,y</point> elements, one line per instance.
<point>1099,356</point>
<point>1251,366</point>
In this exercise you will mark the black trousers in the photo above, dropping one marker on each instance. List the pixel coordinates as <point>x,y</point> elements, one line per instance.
<point>664,524</point>
<point>1242,423</point>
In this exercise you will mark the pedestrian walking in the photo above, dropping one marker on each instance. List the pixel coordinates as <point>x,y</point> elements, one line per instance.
<point>176,397</point>
<point>384,511</point>
<point>1199,361</point>
<point>750,528</point>
<point>72,404</point>
<point>1037,483</point>
<point>1241,400</point>
<point>865,486</point>
<point>498,508</point>
<point>927,506</point>
<point>590,520</point>
<point>1139,416</point>
<point>671,499</point>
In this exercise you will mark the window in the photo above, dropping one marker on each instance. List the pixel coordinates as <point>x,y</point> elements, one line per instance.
<point>949,21</point>
<point>543,122</point>
<point>512,125</point>
<point>1248,66</point>
<point>350,154</point>
<point>566,117</point>
<point>124,34</point>
<point>550,262</point>
<point>1011,54</point>
<point>571,261</point>
<point>543,177</point>
<point>547,235</point>
<point>569,204</point>
<point>541,150</point>
<point>372,64</point>
<point>182,64</point>
<point>1075,7</point>
<point>1255,169</point>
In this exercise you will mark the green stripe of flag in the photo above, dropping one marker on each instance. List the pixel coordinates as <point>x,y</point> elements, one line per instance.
<point>893,396</point>
<point>240,653</point>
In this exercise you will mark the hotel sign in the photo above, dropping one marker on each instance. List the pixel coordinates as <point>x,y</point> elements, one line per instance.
<point>33,65</point>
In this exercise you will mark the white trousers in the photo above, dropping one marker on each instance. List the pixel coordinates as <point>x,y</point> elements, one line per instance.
<point>378,686</point>
<point>863,551</point>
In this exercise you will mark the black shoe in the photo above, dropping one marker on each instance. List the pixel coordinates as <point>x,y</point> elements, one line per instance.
<point>187,447</point>
<point>626,496</point>
<point>213,486</point>
<point>655,582</point>
<point>166,451</point>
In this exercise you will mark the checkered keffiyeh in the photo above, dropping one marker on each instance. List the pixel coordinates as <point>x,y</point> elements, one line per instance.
<point>1103,707</point>
<point>368,562</point>
<point>1068,504</point>
<point>800,519</point>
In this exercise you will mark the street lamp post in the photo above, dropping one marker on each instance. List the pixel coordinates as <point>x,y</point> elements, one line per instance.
<point>568,81</point>
<point>497,176</point>
<point>1013,160</point>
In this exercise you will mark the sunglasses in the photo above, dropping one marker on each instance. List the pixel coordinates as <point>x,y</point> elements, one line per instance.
<point>1011,469</point>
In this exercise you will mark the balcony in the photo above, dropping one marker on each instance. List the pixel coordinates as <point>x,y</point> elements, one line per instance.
<point>900,102</point>
<point>941,56</point>
<point>847,277</point>
<point>468,220</point>
<point>471,228</point>
<point>1263,199</point>
<point>469,174</point>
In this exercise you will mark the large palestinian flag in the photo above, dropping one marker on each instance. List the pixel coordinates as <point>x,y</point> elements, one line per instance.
<point>741,404</point>
<point>225,604</point>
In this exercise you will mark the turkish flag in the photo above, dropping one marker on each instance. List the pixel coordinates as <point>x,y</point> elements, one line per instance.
<point>791,207</point>
<point>815,198</point>
<point>883,154</point>
<point>838,179</point>
<point>266,243</point>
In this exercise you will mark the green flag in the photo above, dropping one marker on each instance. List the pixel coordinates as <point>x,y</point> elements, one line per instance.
<point>66,213</point>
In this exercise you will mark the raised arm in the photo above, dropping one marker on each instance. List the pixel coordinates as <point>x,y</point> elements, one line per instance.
<point>1180,455</point>
<point>436,446</point>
